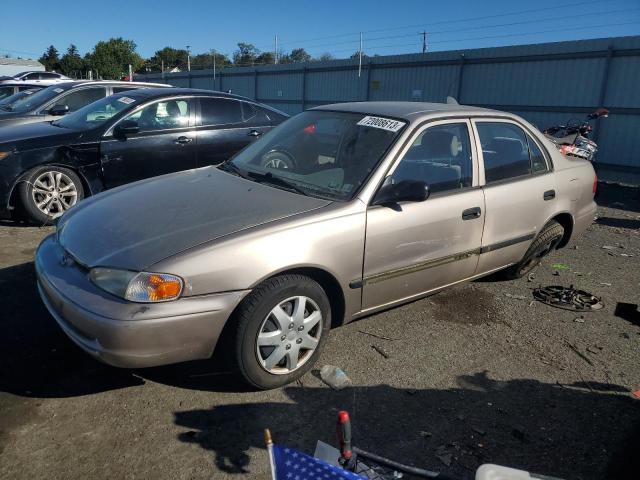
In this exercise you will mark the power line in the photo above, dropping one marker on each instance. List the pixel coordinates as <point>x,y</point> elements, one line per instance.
<point>443,22</point>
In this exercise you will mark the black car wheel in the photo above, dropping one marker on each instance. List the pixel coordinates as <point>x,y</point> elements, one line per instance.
<point>545,243</point>
<point>277,160</point>
<point>49,191</point>
<point>280,328</point>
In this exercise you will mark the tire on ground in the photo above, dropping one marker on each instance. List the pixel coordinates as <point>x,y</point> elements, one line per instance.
<point>28,197</point>
<point>546,241</point>
<point>248,320</point>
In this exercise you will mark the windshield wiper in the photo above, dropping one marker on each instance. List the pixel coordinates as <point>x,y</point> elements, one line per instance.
<point>233,168</point>
<point>269,178</point>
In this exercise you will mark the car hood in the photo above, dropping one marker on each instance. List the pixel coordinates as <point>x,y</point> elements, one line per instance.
<point>135,226</point>
<point>35,135</point>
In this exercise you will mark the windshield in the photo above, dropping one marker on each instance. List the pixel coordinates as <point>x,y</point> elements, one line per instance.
<point>96,113</point>
<point>11,99</point>
<point>31,102</point>
<point>5,91</point>
<point>325,154</point>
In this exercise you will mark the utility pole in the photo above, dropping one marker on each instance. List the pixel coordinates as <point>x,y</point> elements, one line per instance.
<point>360,57</point>
<point>188,58</point>
<point>424,42</point>
<point>162,70</point>
<point>275,53</point>
<point>130,73</point>
<point>214,68</point>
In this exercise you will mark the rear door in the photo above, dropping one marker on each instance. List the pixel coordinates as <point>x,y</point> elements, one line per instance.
<point>415,247</point>
<point>165,143</point>
<point>226,126</point>
<point>519,191</point>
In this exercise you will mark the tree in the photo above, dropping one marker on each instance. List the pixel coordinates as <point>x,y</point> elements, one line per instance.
<point>205,60</point>
<point>71,62</point>
<point>111,59</point>
<point>299,55</point>
<point>356,55</point>
<point>50,59</point>
<point>265,58</point>
<point>325,57</point>
<point>246,54</point>
<point>172,58</point>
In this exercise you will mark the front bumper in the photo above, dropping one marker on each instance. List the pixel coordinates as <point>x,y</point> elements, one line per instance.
<point>127,334</point>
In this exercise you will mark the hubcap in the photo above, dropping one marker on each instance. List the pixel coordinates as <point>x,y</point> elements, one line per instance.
<point>53,193</point>
<point>289,335</point>
<point>276,163</point>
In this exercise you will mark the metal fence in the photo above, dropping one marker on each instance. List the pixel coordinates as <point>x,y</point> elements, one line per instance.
<point>544,83</point>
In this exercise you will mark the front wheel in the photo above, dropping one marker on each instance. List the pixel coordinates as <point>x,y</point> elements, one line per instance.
<point>47,192</point>
<point>280,329</point>
<point>545,243</point>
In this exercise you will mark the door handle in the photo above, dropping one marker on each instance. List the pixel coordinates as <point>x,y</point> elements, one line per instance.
<point>183,140</point>
<point>471,213</point>
<point>549,195</point>
<point>254,133</point>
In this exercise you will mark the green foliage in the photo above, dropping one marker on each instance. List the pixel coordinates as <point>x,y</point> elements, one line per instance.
<point>172,57</point>
<point>265,58</point>
<point>71,63</point>
<point>246,54</point>
<point>325,57</point>
<point>299,55</point>
<point>205,60</point>
<point>111,59</point>
<point>50,59</point>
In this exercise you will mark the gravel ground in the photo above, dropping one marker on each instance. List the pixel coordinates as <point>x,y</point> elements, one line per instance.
<point>475,374</point>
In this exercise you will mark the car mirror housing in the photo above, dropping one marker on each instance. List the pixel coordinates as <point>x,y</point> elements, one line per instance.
<point>126,127</point>
<point>403,191</point>
<point>59,110</point>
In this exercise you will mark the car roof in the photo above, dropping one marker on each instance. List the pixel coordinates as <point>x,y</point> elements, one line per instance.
<point>410,111</point>
<point>23,84</point>
<point>176,91</point>
<point>77,83</point>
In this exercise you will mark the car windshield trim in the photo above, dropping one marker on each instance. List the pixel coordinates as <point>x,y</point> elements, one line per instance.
<point>324,153</point>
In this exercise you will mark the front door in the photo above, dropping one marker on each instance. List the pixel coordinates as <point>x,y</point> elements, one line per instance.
<point>412,248</point>
<point>165,143</point>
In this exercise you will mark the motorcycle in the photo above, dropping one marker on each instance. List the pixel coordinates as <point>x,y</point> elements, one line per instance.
<point>573,139</point>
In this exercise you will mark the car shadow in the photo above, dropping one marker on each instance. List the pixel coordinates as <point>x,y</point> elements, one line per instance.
<point>567,431</point>
<point>618,196</point>
<point>630,223</point>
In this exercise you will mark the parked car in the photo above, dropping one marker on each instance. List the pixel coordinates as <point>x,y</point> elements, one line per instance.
<point>47,167</point>
<point>262,257</point>
<point>57,100</point>
<point>7,102</point>
<point>37,77</point>
<point>9,89</point>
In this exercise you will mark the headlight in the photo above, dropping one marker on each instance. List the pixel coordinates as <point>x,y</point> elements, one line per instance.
<point>4,155</point>
<point>140,287</point>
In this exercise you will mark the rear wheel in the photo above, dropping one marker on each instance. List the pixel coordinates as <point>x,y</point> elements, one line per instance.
<point>49,191</point>
<point>545,243</point>
<point>280,329</point>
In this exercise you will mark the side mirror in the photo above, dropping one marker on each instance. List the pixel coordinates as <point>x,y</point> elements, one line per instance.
<point>403,191</point>
<point>59,110</point>
<point>126,127</point>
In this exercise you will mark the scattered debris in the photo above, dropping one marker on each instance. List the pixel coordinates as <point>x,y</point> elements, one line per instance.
<point>579,319</point>
<point>636,394</point>
<point>516,297</point>
<point>445,458</point>
<point>560,266</point>
<point>591,350</point>
<point>334,377</point>
<point>556,273</point>
<point>479,431</point>
<point>531,277</point>
<point>626,254</point>
<point>608,247</point>
<point>567,298</point>
<point>579,353</point>
<point>606,284</point>
<point>381,337</point>
<point>380,350</point>
<point>424,433</point>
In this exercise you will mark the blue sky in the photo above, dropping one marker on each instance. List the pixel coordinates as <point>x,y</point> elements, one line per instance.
<point>319,26</point>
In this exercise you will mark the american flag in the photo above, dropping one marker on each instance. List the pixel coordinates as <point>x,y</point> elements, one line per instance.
<point>289,464</point>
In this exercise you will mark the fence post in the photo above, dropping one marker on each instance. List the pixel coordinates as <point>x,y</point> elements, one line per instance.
<point>369,68</point>
<point>604,81</point>
<point>304,87</point>
<point>255,85</point>
<point>460,77</point>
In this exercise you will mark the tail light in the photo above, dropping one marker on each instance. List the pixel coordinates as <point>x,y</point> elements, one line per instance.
<point>595,184</point>
<point>310,128</point>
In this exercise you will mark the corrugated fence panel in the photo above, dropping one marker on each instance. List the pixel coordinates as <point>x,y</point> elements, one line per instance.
<point>544,83</point>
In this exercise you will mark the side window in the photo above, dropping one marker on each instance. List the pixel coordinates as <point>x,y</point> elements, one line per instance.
<point>49,76</point>
<point>162,115</point>
<point>220,111</point>
<point>33,76</point>
<point>80,98</point>
<point>538,162</point>
<point>248,111</point>
<point>441,157</point>
<point>505,151</point>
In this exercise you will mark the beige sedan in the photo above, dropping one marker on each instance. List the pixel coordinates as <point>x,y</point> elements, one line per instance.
<point>341,211</point>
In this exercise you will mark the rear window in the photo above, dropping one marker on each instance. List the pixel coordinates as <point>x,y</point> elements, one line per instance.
<point>220,111</point>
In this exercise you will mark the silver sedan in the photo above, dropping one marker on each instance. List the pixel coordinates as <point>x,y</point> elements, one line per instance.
<point>341,211</point>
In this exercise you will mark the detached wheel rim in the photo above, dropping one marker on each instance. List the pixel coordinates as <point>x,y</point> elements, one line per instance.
<point>289,335</point>
<point>53,193</point>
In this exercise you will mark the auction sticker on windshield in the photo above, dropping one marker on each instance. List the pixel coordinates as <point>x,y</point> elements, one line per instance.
<point>126,100</point>
<point>383,123</point>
